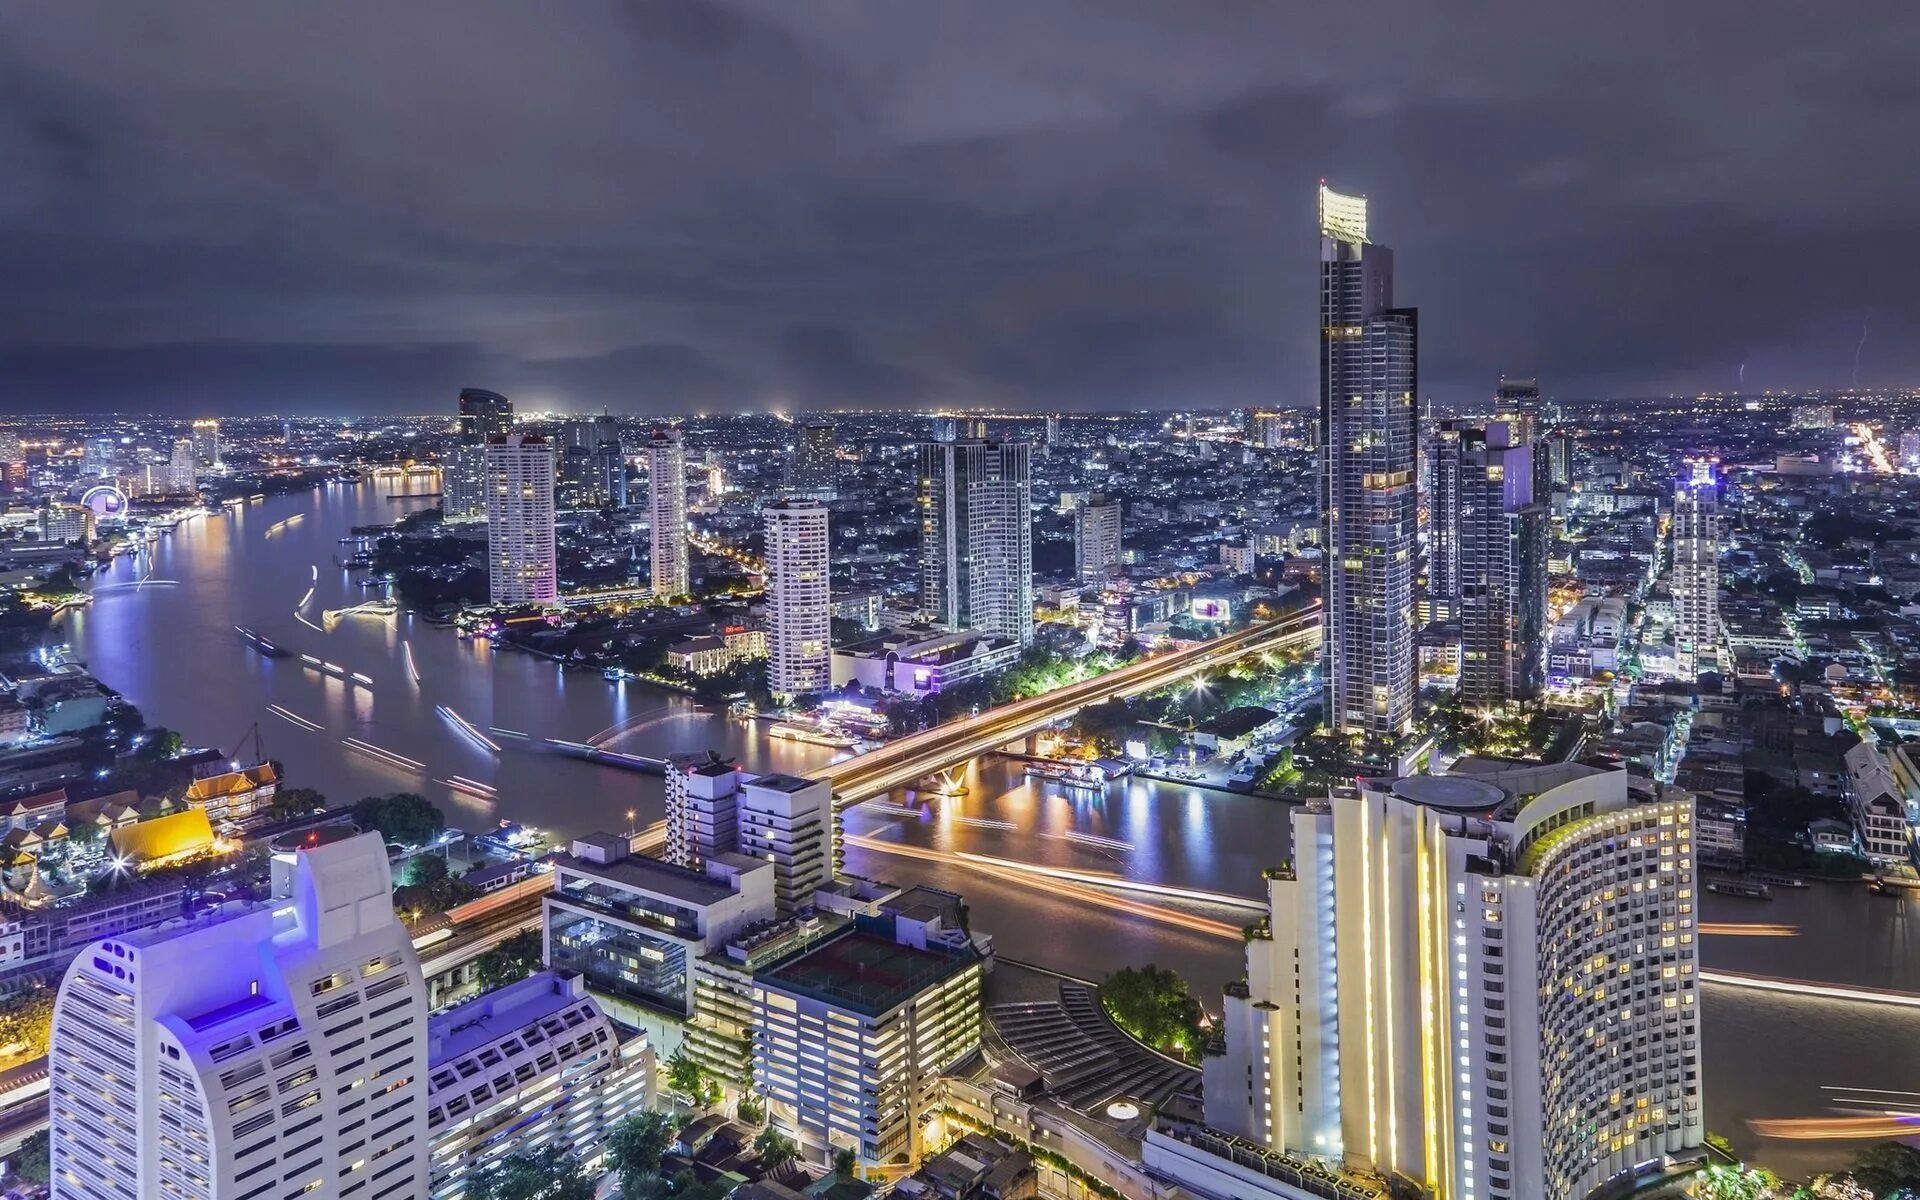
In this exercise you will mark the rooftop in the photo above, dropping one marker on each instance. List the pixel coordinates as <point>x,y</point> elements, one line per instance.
<point>864,972</point>
<point>485,1020</point>
<point>781,783</point>
<point>642,874</point>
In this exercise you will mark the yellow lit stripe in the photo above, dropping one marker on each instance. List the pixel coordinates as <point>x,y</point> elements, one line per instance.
<point>1366,942</point>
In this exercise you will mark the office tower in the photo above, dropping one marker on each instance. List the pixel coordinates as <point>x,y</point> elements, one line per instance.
<point>667,508</point>
<point>1096,537</point>
<point>183,475</point>
<point>1498,1006</point>
<point>277,1045</point>
<point>1441,462</point>
<point>526,1066</point>
<point>853,1032</point>
<point>959,429</point>
<point>484,415</point>
<point>790,822</point>
<point>815,468</point>
<point>61,524</point>
<point>1696,569</point>
<point>520,549</point>
<point>1559,448</point>
<point>703,797</point>
<point>976,536</point>
<point>103,454</point>
<point>1052,433</point>
<point>1368,380</point>
<point>206,443</point>
<point>632,926</point>
<point>1489,561</point>
<point>799,607</point>
<point>1517,402</point>
<point>1266,429</point>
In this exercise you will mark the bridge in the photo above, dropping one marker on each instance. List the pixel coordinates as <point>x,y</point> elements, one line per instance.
<point>904,760</point>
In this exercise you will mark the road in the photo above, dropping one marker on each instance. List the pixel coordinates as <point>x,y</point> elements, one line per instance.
<point>904,760</point>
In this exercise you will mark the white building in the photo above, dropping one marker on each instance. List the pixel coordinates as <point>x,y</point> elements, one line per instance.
<point>64,523</point>
<point>526,1066</point>
<point>667,513</point>
<point>463,483</point>
<point>1096,537</point>
<point>790,822</point>
<point>921,662</point>
<point>1879,806</point>
<point>183,474</point>
<point>520,544</point>
<point>799,606</point>
<point>976,536</point>
<point>260,1051</point>
<point>206,443</point>
<point>703,796</point>
<point>1494,1005</point>
<point>1696,571</point>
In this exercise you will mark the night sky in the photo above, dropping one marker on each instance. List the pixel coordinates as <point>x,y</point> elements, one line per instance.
<point>667,207</point>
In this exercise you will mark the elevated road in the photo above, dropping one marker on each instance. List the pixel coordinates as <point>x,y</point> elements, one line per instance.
<point>904,760</point>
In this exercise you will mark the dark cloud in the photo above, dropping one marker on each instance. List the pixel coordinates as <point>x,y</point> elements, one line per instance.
<point>673,205</point>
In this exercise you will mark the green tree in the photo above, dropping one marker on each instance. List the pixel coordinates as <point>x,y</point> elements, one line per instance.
<point>548,1174</point>
<point>688,1077</point>
<point>750,1109</point>
<point>635,1147</point>
<point>1156,1006</point>
<point>510,961</point>
<point>1887,1167</point>
<point>774,1148</point>
<point>288,803</point>
<point>403,817</point>
<point>33,1162</point>
<point>26,1022</point>
<point>845,1162</point>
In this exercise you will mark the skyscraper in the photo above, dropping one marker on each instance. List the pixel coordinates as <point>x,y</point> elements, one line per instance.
<point>815,468</point>
<point>800,609</point>
<point>790,822</point>
<point>183,475</point>
<point>1517,402</point>
<point>1490,550</point>
<point>484,415</point>
<point>520,542</point>
<point>1696,569</point>
<point>278,1044</point>
<point>1499,1000</point>
<point>593,469</point>
<point>667,510</point>
<point>1096,536</point>
<point>1368,379</point>
<point>976,536</point>
<point>206,443</point>
<point>463,477</point>
<point>103,454</point>
<point>959,429</point>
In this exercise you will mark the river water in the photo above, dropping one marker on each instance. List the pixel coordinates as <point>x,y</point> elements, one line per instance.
<point>168,645</point>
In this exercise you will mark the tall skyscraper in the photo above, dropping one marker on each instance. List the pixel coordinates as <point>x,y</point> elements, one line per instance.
<point>1051,435</point>
<point>277,1045</point>
<point>1517,402</point>
<point>484,415</point>
<point>206,443</point>
<point>520,543</point>
<point>815,468</point>
<point>1490,547</point>
<point>667,509</point>
<point>1370,436</point>
<point>959,429</point>
<point>1697,537</point>
<point>976,536</point>
<point>799,606</point>
<point>593,466</point>
<point>1096,536</point>
<point>183,473</point>
<point>103,454</point>
<point>1499,1000</point>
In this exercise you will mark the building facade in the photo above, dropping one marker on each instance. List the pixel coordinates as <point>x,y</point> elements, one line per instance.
<point>667,513</point>
<point>799,604</point>
<point>976,536</point>
<point>1494,1005</point>
<point>521,567</point>
<point>183,471</point>
<point>1697,538</point>
<point>815,468</point>
<point>1096,537</point>
<point>206,443</point>
<point>789,822</point>
<point>258,1051</point>
<point>1369,437</point>
<point>1493,534</point>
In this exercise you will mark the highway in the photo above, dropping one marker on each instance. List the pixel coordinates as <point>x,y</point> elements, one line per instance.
<point>904,760</point>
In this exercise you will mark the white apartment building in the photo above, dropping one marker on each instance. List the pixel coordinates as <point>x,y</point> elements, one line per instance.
<point>256,1052</point>
<point>529,1065</point>
<point>1486,981</point>
<point>183,472</point>
<point>667,513</point>
<point>790,822</point>
<point>702,808</point>
<point>1697,538</point>
<point>976,536</point>
<point>520,541</point>
<point>1096,537</point>
<point>799,606</point>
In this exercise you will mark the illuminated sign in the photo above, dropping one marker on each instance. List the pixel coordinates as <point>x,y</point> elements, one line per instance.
<point>1210,608</point>
<point>106,501</point>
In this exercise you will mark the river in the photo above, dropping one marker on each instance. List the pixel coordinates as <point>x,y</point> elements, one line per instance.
<point>168,645</point>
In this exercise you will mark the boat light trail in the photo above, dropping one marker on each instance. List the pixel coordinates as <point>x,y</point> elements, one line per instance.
<point>286,714</point>
<point>468,787</point>
<point>466,727</point>
<point>1094,839</point>
<point>985,823</point>
<point>1746,929</point>
<point>1808,988</point>
<point>297,615</point>
<point>1838,1129</point>
<point>381,755</point>
<point>413,672</point>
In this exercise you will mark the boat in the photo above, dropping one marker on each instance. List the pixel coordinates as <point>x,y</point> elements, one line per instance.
<point>1776,879</point>
<point>254,638</point>
<point>1740,887</point>
<point>811,736</point>
<point>1065,775</point>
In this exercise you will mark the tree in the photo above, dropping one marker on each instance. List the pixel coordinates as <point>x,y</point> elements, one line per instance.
<point>635,1147</point>
<point>845,1162</point>
<point>26,1022</point>
<point>510,961</point>
<point>34,1160</point>
<point>425,870</point>
<point>548,1174</point>
<point>288,803</point>
<point>750,1109</point>
<point>774,1148</point>
<point>1887,1167</point>
<point>1156,1006</point>
<point>403,817</point>
<point>688,1077</point>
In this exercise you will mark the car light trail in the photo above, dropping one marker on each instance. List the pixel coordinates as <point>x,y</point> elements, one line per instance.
<point>507,733</point>
<point>294,717</point>
<point>466,727</point>
<point>1744,929</point>
<point>1808,988</point>
<point>379,754</point>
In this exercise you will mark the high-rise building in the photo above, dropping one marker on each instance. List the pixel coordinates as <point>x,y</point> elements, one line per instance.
<point>1267,429</point>
<point>1486,982</point>
<point>520,544</point>
<point>1368,380</point>
<point>1490,557</point>
<point>799,605</point>
<point>1096,536</point>
<point>206,443</point>
<point>790,822</point>
<point>593,465</point>
<point>183,472</point>
<point>976,536</point>
<point>959,429</point>
<point>1517,402</point>
<point>1910,450</point>
<point>484,415</point>
<point>667,511</point>
<point>12,449</point>
<point>103,455</point>
<point>1697,539</point>
<point>703,799</point>
<point>815,468</point>
<point>1051,434</point>
<point>278,1045</point>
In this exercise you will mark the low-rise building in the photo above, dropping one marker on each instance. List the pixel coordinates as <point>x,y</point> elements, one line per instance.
<point>234,795</point>
<point>922,661</point>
